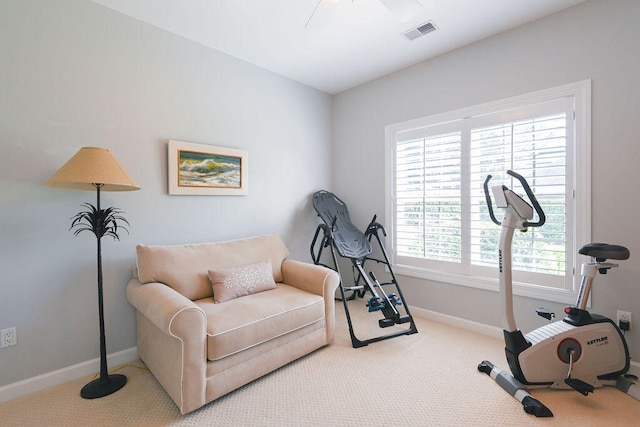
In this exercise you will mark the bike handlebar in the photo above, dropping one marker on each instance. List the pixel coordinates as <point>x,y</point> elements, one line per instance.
<point>527,189</point>
<point>489,202</point>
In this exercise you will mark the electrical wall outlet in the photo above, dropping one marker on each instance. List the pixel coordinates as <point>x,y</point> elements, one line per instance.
<point>8,337</point>
<point>624,317</point>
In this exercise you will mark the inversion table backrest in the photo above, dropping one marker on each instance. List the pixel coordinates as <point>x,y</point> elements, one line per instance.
<point>348,240</point>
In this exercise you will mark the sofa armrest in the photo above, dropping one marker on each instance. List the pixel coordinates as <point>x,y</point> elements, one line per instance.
<point>163,305</point>
<point>172,341</point>
<point>315,279</point>
<point>312,278</point>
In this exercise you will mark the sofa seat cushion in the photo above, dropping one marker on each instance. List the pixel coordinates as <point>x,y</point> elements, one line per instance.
<point>254,319</point>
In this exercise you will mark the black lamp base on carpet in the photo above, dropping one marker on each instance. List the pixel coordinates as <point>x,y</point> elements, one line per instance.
<point>103,386</point>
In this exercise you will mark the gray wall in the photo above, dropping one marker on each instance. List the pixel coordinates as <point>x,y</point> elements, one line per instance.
<point>595,40</point>
<point>74,74</point>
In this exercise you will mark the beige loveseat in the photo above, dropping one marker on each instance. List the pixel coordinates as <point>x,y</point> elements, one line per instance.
<point>200,349</point>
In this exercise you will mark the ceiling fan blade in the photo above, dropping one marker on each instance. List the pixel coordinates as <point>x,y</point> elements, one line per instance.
<point>402,9</point>
<point>321,14</point>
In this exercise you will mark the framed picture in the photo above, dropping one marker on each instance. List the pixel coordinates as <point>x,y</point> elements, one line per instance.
<point>200,169</point>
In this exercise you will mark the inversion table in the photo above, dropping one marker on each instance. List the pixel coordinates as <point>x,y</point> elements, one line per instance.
<point>345,240</point>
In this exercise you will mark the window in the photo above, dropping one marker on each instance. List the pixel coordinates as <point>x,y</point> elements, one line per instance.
<point>436,166</point>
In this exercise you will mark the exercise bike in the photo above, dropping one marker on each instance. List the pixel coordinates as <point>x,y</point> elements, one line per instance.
<point>583,351</point>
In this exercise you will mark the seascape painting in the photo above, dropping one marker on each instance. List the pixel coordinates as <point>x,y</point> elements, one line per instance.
<point>209,170</point>
<point>200,169</point>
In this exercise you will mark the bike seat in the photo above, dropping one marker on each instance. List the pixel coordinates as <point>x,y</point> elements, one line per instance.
<point>603,251</point>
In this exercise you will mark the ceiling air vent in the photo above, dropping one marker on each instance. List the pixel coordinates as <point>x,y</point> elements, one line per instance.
<point>420,30</point>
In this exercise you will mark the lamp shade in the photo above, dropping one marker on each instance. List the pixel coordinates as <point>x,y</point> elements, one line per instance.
<point>91,166</point>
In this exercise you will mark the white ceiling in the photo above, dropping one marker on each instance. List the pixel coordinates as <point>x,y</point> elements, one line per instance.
<point>361,42</point>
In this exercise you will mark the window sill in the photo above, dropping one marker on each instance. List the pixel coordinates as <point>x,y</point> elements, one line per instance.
<point>520,289</point>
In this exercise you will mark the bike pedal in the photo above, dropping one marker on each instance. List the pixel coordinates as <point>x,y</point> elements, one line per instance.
<point>580,386</point>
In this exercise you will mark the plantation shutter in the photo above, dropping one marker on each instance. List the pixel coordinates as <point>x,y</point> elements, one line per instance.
<point>428,193</point>
<point>440,210</point>
<point>533,143</point>
<point>436,212</point>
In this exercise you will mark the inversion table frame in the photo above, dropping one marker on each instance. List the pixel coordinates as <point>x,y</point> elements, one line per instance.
<point>339,233</point>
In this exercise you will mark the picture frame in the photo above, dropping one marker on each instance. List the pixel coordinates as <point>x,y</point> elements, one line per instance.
<point>201,169</point>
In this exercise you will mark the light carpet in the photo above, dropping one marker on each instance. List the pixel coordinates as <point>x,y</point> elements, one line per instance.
<point>424,379</point>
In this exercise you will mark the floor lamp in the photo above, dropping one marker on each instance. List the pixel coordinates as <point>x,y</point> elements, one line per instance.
<point>96,169</point>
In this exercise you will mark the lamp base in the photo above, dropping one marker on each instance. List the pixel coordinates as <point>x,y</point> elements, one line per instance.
<point>100,388</point>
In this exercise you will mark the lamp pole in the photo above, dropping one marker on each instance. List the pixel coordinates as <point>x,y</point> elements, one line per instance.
<point>104,376</point>
<point>105,384</point>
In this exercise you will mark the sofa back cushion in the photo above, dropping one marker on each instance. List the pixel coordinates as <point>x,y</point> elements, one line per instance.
<point>185,267</point>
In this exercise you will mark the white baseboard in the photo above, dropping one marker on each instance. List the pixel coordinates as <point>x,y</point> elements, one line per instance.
<point>458,322</point>
<point>480,328</point>
<point>50,379</point>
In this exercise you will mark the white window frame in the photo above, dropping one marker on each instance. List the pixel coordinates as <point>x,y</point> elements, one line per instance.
<point>579,183</point>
